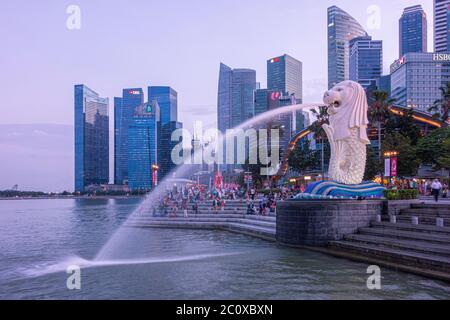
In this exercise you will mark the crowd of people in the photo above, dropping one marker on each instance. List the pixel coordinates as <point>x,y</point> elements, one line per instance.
<point>187,199</point>
<point>426,187</point>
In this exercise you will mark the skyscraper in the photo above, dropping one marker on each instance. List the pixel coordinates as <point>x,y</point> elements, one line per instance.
<point>91,139</point>
<point>235,101</point>
<point>341,29</point>
<point>124,109</point>
<point>441,25</point>
<point>366,61</point>
<point>167,99</point>
<point>417,77</point>
<point>142,146</point>
<point>285,75</point>
<point>413,30</point>
<point>165,147</point>
<point>235,96</point>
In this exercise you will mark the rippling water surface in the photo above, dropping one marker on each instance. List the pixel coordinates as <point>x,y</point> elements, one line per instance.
<point>39,239</point>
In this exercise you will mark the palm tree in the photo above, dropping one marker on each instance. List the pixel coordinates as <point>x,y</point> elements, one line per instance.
<point>441,107</point>
<point>319,133</point>
<point>379,113</point>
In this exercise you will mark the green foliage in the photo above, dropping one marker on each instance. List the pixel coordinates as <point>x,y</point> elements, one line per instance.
<point>379,109</point>
<point>434,149</point>
<point>373,166</point>
<point>28,194</point>
<point>322,118</point>
<point>303,158</point>
<point>407,194</point>
<point>441,107</point>
<point>444,159</point>
<point>405,125</point>
<point>408,163</point>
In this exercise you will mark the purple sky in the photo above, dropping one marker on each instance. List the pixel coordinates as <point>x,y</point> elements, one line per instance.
<point>137,43</point>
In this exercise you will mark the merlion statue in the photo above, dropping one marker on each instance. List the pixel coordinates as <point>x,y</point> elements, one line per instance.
<point>347,132</point>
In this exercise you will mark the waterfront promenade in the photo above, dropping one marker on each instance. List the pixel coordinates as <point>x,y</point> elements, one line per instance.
<point>407,238</point>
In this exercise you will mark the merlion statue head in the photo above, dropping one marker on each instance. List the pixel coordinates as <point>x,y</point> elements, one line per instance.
<point>348,108</point>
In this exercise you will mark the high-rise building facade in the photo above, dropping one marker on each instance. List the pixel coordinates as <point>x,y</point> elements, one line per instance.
<point>124,109</point>
<point>385,84</point>
<point>166,145</point>
<point>285,75</point>
<point>235,102</point>
<point>167,99</point>
<point>91,138</point>
<point>266,100</point>
<point>366,61</point>
<point>417,77</point>
<point>413,30</point>
<point>143,146</point>
<point>441,25</point>
<point>341,29</point>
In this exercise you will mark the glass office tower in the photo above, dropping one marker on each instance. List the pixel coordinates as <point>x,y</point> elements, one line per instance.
<point>167,99</point>
<point>91,139</point>
<point>142,146</point>
<point>413,30</point>
<point>341,29</point>
<point>235,101</point>
<point>235,96</point>
<point>166,145</point>
<point>417,77</point>
<point>366,61</point>
<point>441,25</point>
<point>285,74</point>
<point>124,109</point>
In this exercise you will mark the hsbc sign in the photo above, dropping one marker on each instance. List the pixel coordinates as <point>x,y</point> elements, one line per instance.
<point>441,57</point>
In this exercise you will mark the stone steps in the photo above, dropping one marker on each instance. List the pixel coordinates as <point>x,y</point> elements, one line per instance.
<point>401,256</point>
<point>423,249</point>
<point>422,220</point>
<point>262,223</point>
<point>414,245</point>
<point>433,212</point>
<point>263,227</point>
<point>212,216</point>
<point>428,206</point>
<point>400,234</point>
<point>411,227</point>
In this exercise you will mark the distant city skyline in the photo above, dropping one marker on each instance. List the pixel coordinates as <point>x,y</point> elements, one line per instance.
<point>131,45</point>
<point>184,60</point>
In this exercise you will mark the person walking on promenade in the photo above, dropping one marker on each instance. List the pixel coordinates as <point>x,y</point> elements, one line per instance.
<point>436,187</point>
<point>215,205</point>
<point>195,207</point>
<point>185,210</point>
<point>252,193</point>
<point>445,190</point>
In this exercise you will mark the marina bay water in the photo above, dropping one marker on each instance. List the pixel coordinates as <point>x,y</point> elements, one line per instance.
<point>39,239</point>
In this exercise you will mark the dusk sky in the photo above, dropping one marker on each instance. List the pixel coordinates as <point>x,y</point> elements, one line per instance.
<point>179,43</point>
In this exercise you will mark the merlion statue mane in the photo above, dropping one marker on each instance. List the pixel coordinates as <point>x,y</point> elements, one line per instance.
<point>347,132</point>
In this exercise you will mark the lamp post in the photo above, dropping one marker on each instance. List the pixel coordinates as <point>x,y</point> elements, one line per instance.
<point>155,169</point>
